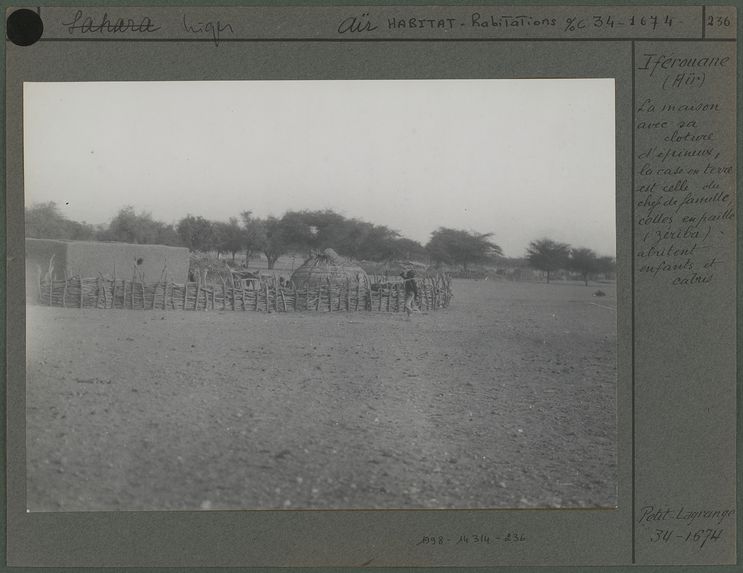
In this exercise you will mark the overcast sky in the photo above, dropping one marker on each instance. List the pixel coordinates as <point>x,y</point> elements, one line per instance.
<point>523,159</point>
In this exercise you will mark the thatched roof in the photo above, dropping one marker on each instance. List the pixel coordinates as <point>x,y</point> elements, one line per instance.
<point>328,266</point>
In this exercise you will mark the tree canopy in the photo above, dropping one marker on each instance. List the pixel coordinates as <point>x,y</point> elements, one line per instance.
<point>307,231</point>
<point>584,261</point>
<point>295,231</point>
<point>128,226</point>
<point>45,221</point>
<point>606,266</point>
<point>275,240</point>
<point>252,233</point>
<point>458,247</point>
<point>548,255</point>
<point>196,233</point>
<point>228,237</point>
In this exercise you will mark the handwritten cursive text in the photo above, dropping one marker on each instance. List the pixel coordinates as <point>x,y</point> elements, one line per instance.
<point>357,24</point>
<point>214,29</point>
<point>88,25</point>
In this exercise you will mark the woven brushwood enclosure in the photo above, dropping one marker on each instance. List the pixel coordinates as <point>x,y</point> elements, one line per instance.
<point>349,295</point>
<point>391,271</point>
<point>328,268</point>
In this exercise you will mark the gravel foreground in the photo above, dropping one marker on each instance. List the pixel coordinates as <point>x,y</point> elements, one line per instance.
<point>506,399</point>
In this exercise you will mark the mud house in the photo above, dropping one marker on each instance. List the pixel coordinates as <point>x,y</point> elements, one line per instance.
<point>92,259</point>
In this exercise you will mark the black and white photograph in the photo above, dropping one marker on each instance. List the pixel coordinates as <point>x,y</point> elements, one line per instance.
<point>320,294</point>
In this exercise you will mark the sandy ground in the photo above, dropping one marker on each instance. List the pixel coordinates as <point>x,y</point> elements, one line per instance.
<point>506,399</point>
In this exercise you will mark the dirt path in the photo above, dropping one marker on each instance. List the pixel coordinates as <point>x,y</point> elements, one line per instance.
<point>506,399</point>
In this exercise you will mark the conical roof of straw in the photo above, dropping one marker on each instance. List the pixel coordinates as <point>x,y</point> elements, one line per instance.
<point>326,267</point>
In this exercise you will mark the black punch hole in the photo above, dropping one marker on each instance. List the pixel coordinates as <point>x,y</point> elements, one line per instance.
<point>24,27</point>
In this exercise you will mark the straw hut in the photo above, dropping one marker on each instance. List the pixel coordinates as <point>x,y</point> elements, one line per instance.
<point>328,266</point>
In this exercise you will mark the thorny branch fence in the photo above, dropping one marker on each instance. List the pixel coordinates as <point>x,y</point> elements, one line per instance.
<point>105,293</point>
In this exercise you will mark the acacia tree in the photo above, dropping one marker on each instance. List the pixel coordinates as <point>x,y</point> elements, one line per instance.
<point>607,266</point>
<point>308,231</point>
<point>377,243</point>
<point>196,233</point>
<point>298,230</point>
<point>167,235</point>
<point>547,255</point>
<point>228,237</point>
<point>253,232</point>
<point>584,261</point>
<point>355,240</point>
<point>275,241</point>
<point>45,221</point>
<point>458,247</point>
<point>329,229</point>
<point>403,248</point>
<point>128,226</point>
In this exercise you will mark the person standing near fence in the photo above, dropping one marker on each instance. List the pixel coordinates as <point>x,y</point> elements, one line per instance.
<point>411,292</point>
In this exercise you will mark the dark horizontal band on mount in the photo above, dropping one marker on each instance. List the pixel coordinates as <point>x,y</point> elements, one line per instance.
<point>237,40</point>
